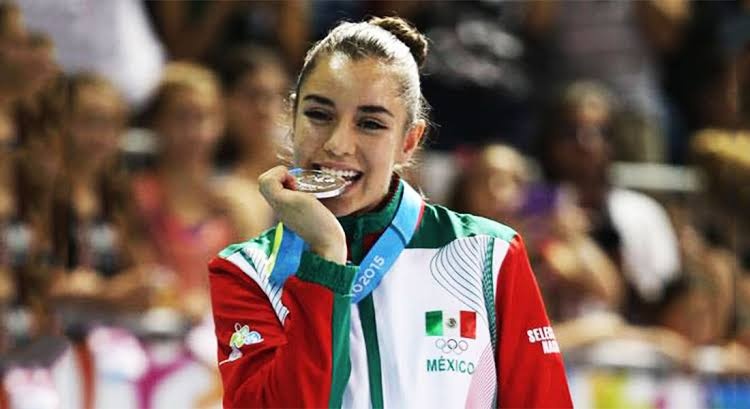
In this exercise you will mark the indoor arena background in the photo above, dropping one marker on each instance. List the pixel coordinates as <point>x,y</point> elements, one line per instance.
<point>613,135</point>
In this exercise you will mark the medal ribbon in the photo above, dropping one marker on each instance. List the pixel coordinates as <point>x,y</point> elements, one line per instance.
<point>285,257</point>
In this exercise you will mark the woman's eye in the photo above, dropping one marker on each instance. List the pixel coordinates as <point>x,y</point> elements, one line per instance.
<point>317,115</point>
<point>371,125</point>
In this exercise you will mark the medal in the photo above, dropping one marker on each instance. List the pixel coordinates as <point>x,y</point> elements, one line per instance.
<point>322,185</point>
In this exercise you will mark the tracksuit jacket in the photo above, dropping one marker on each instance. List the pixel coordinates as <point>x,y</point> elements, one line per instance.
<point>458,321</point>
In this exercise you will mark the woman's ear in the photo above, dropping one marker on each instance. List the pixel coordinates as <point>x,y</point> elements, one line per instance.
<point>411,140</point>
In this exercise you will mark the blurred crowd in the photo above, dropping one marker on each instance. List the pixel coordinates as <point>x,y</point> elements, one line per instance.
<point>132,134</point>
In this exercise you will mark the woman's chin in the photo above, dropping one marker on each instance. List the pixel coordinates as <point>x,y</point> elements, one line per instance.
<point>352,201</point>
<point>345,204</point>
<point>339,206</point>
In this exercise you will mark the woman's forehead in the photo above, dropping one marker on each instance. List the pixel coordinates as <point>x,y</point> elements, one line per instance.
<point>357,81</point>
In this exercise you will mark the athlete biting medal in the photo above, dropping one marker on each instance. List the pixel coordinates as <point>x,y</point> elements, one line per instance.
<point>349,295</point>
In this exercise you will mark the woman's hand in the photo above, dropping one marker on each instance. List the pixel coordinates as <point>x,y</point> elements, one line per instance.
<point>304,214</point>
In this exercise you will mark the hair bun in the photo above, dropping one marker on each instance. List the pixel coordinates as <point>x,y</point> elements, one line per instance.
<point>406,33</point>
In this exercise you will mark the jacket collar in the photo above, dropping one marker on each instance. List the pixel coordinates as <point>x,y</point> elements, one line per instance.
<point>379,219</point>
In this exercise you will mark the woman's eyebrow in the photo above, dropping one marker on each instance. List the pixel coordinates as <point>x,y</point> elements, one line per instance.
<point>374,109</point>
<point>368,109</point>
<point>319,99</point>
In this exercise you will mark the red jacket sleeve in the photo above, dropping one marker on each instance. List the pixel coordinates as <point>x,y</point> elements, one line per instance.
<point>530,368</point>
<point>297,364</point>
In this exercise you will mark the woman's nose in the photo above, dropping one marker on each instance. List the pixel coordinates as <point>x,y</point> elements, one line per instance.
<point>341,141</point>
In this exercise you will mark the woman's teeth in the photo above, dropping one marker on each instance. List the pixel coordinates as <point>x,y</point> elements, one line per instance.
<point>346,174</point>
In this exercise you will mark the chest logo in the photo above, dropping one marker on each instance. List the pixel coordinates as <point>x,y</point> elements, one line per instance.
<point>452,329</point>
<point>452,324</point>
<point>242,336</point>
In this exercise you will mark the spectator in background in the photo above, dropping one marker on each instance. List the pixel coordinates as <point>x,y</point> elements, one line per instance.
<point>13,45</point>
<point>255,84</point>
<point>26,126</point>
<point>26,58</point>
<point>95,217</point>
<point>476,70</point>
<point>700,305</point>
<point>111,38</point>
<point>575,275</point>
<point>11,34</point>
<point>703,74</point>
<point>201,30</point>
<point>183,219</point>
<point>716,92</point>
<point>633,228</point>
<point>618,43</point>
<point>33,227</point>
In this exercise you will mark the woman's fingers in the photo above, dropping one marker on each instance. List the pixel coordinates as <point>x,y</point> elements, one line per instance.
<point>304,214</point>
<point>273,182</point>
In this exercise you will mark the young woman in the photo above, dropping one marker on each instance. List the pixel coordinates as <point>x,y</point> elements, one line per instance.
<point>183,219</point>
<point>389,302</point>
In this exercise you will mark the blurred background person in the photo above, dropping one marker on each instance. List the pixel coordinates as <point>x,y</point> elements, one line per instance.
<point>13,36</point>
<point>197,30</point>
<point>32,230</point>
<point>255,85</point>
<point>704,75</point>
<point>27,70</point>
<point>183,219</point>
<point>620,44</point>
<point>700,305</point>
<point>98,242</point>
<point>575,275</point>
<point>631,227</point>
<point>113,39</point>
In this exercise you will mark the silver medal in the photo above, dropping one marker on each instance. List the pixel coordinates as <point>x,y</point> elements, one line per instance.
<point>322,185</point>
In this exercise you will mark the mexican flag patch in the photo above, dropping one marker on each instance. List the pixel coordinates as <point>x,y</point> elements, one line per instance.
<point>451,323</point>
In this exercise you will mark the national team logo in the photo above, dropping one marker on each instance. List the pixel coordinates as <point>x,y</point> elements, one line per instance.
<point>453,328</point>
<point>451,324</point>
<point>452,331</point>
<point>242,336</point>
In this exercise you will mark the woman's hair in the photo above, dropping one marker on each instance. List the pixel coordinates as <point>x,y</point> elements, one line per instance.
<point>41,122</point>
<point>81,80</point>
<point>388,39</point>
<point>243,60</point>
<point>180,76</point>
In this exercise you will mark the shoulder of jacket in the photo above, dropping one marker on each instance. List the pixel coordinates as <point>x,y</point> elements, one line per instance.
<point>262,243</point>
<point>441,225</point>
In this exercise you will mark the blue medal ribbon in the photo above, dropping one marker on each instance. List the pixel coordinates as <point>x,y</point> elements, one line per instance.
<point>285,257</point>
<point>288,248</point>
<point>389,246</point>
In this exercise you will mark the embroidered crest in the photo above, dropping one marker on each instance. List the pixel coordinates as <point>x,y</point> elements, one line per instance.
<point>242,336</point>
